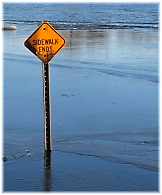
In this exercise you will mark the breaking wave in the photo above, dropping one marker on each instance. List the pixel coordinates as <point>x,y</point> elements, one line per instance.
<point>91,25</point>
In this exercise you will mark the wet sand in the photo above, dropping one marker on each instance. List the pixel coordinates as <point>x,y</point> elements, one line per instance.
<point>73,172</point>
<point>87,155</point>
<point>104,126</point>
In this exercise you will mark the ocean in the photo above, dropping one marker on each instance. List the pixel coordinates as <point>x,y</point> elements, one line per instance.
<point>92,16</point>
<point>104,83</point>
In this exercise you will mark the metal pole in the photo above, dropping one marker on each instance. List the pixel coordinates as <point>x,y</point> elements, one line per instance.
<point>46,103</point>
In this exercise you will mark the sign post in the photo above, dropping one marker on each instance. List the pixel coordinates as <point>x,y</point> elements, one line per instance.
<point>47,108</point>
<point>45,42</point>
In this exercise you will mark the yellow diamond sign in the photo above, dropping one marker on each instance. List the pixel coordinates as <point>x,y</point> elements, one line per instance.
<point>45,42</point>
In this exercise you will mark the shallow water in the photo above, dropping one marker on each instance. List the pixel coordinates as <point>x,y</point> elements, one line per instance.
<point>123,53</point>
<point>104,96</point>
<point>90,96</point>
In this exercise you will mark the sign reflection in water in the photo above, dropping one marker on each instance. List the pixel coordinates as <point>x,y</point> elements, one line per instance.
<point>47,171</point>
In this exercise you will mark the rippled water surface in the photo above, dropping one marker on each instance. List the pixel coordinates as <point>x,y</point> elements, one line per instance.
<point>86,16</point>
